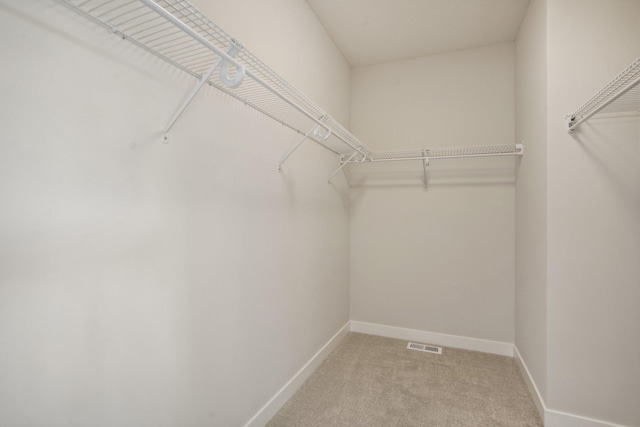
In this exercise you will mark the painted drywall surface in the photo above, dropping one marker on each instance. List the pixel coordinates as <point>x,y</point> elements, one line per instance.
<point>531,193</point>
<point>145,284</point>
<point>439,259</point>
<point>593,217</point>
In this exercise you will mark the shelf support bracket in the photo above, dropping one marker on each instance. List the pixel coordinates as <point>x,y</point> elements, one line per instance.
<point>190,96</point>
<point>344,163</point>
<point>425,163</point>
<point>297,145</point>
<point>344,170</point>
<point>232,50</point>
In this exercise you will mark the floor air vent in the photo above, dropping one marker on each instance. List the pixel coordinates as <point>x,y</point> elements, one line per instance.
<point>424,347</point>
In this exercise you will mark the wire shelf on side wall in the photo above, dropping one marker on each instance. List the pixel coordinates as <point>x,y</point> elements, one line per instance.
<point>620,95</point>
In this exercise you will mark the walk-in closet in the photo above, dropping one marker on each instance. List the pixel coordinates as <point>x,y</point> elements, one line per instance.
<point>320,213</point>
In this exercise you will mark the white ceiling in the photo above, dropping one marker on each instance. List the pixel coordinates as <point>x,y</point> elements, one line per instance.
<point>373,31</point>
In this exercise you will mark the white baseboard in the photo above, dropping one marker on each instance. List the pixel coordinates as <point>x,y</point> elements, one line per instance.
<point>562,419</point>
<point>466,343</point>
<point>531,384</point>
<point>551,417</point>
<point>267,412</point>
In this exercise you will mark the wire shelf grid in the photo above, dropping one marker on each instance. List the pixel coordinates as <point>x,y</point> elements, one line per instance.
<point>629,102</point>
<point>446,152</point>
<point>619,95</point>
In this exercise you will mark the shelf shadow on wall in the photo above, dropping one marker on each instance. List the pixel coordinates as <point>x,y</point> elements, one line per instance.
<point>610,142</point>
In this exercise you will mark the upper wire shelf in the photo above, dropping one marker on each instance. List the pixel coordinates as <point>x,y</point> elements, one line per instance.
<point>622,94</point>
<point>177,32</point>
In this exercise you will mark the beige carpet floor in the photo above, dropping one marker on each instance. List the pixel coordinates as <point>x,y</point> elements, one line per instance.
<point>370,381</point>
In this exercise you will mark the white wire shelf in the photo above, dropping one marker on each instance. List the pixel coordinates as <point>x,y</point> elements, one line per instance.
<point>444,153</point>
<point>427,154</point>
<point>177,32</point>
<point>622,94</point>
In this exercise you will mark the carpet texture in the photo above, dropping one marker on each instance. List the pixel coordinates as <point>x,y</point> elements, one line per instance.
<point>371,381</point>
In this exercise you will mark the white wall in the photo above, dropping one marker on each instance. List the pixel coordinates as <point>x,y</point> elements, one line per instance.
<point>144,284</point>
<point>593,217</point>
<point>531,193</point>
<point>440,259</point>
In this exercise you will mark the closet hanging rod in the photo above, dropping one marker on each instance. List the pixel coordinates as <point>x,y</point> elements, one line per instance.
<point>622,84</point>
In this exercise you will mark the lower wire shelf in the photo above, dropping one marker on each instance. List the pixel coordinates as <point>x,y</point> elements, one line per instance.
<point>445,153</point>
<point>427,154</point>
